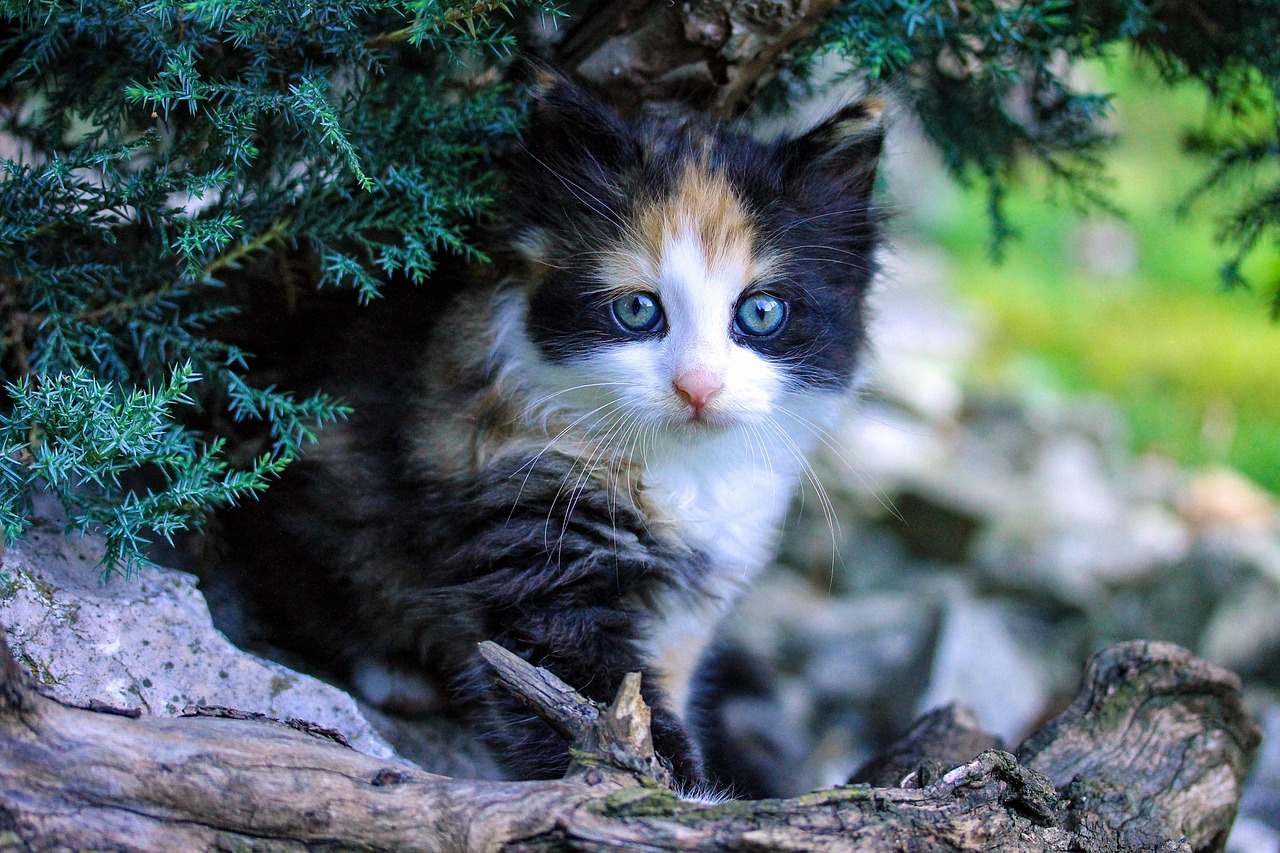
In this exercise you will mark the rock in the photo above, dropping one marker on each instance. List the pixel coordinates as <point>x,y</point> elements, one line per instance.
<point>934,529</point>
<point>1234,575</point>
<point>1077,562</point>
<point>870,652</point>
<point>1260,805</point>
<point>847,674</point>
<point>922,336</point>
<point>1236,553</point>
<point>877,446</point>
<point>914,313</point>
<point>1220,496</point>
<point>983,662</point>
<point>924,386</point>
<point>1073,484</point>
<point>1244,632</point>
<point>146,642</point>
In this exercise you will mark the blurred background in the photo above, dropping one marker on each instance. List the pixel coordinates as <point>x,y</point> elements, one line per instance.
<point>1128,307</point>
<point>1075,446</point>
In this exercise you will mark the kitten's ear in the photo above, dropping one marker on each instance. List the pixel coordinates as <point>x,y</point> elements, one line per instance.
<point>567,120</point>
<point>844,149</point>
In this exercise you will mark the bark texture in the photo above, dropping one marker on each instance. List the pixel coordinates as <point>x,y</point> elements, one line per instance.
<point>1150,757</point>
<point>678,55</point>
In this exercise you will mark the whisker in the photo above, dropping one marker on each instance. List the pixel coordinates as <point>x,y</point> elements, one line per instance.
<point>532,463</point>
<point>832,443</point>
<point>824,500</point>
<point>576,493</point>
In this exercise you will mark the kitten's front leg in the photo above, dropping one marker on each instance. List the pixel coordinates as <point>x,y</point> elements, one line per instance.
<point>568,583</point>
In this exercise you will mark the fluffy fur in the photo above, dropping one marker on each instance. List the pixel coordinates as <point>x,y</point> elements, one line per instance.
<point>591,496</point>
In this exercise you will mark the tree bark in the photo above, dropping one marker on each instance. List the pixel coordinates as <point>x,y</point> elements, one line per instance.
<point>1151,757</point>
<point>680,55</point>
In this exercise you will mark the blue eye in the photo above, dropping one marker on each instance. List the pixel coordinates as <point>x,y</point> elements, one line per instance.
<point>760,314</point>
<point>638,312</point>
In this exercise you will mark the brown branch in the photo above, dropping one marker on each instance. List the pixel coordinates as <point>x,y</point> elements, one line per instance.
<point>79,779</point>
<point>240,251</point>
<point>614,738</point>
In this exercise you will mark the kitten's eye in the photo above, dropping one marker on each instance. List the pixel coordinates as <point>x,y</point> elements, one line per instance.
<point>760,314</point>
<point>638,312</point>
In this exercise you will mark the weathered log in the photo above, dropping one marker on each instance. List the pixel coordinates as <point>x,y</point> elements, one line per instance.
<point>1154,731</point>
<point>943,738</point>
<point>76,778</point>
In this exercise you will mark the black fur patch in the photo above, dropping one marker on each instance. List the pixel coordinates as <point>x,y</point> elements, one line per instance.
<point>567,317</point>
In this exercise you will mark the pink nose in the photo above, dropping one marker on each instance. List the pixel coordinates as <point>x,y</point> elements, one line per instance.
<point>697,387</point>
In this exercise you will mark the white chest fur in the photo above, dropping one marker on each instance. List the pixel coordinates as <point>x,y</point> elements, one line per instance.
<point>726,494</point>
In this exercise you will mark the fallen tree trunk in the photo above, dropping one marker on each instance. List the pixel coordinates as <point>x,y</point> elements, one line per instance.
<point>1151,756</point>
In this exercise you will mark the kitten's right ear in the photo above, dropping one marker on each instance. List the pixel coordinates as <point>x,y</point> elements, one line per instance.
<point>567,120</point>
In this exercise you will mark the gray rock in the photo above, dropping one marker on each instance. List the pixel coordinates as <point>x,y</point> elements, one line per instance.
<point>1072,483</point>
<point>1261,800</point>
<point>1234,552</point>
<point>146,642</point>
<point>1243,634</point>
<point>984,663</point>
<point>1077,562</point>
<point>871,652</point>
<point>879,445</point>
<point>914,314</point>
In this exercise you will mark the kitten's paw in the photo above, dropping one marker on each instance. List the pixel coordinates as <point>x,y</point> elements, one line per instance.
<point>399,690</point>
<point>703,793</point>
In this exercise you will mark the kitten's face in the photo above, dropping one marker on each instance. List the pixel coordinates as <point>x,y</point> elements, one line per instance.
<point>687,277</point>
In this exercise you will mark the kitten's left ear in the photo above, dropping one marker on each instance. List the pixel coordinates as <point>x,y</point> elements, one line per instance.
<point>844,149</point>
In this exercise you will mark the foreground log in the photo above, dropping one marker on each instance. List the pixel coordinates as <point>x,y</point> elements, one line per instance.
<point>1151,756</point>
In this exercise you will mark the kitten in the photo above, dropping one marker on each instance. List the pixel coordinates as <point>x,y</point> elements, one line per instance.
<point>592,458</point>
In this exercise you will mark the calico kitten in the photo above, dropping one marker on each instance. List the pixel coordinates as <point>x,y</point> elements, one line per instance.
<point>591,459</point>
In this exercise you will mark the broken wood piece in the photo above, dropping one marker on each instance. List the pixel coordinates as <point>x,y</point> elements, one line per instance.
<point>678,58</point>
<point>944,738</point>
<point>614,737</point>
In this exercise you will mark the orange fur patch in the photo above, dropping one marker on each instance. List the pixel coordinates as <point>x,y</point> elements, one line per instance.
<point>703,206</point>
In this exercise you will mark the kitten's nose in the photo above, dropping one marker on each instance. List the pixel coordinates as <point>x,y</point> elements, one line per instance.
<point>697,387</point>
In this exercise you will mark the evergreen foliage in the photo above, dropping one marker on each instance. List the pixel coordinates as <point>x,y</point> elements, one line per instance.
<point>990,83</point>
<point>152,152</point>
<point>159,147</point>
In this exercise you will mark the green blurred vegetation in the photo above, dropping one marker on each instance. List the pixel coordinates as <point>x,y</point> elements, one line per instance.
<point>1196,369</point>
